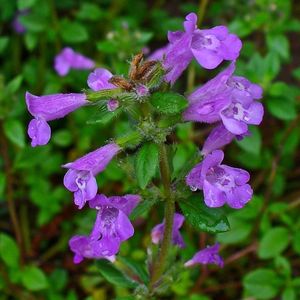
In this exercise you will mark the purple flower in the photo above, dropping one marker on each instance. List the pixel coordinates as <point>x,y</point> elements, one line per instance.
<point>111,228</point>
<point>217,138</point>
<point>69,59</point>
<point>99,80</point>
<point>112,104</point>
<point>16,24</point>
<point>220,183</point>
<point>159,53</point>
<point>228,98</point>
<point>157,232</point>
<point>209,47</point>
<point>80,177</point>
<point>48,108</point>
<point>209,255</point>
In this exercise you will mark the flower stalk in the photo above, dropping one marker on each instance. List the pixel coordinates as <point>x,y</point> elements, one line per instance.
<point>169,216</point>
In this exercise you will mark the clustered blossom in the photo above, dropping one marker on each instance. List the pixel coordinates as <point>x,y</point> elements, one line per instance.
<point>112,227</point>
<point>208,46</point>
<point>227,100</point>
<point>80,177</point>
<point>68,59</point>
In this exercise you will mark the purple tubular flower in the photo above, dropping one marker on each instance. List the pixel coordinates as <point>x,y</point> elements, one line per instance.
<point>157,232</point>
<point>48,108</point>
<point>111,228</point>
<point>217,138</point>
<point>228,98</point>
<point>209,47</point>
<point>80,177</point>
<point>69,59</point>
<point>209,255</point>
<point>220,183</point>
<point>99,80</point>
<point>112,104</point>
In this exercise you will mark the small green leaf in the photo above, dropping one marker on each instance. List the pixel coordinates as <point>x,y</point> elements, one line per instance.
<point>9,251</point>
<point>3,43</point>
<point>168,103</point>
<point>251,143</point>
<point>142,208</point>
<point>202,217</point>
<point>90,11</point>
<point>278,44</point>
<point>34,22</point>
<point>296,242</point>
<point>73,32</point>
<point>62,138</point>
<point>273,242</point>
<point>14,85</point>
<point>289,294</point>
<point>34,278</point>
<point>146,164</point>
<point>114,276</point>
<point>103,115</point>
<point>14,131</point>
<point>282,109</point>
<point>137,268</point>
<point>262,284</point>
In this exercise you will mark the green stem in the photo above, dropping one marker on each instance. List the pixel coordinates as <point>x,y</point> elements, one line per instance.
<point>159,267</point>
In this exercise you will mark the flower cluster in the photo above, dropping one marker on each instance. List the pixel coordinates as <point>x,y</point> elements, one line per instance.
<point>228,100</point>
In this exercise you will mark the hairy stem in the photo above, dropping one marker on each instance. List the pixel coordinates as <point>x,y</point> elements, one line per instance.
<point>169,215</point>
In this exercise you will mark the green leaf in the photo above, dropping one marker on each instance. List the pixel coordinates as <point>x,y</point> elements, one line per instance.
<point>282,108</point>
<point>73,32</point>
<point>34,22</point>
<point>114,276</point>
<point>103,115</point>
<point>89,11</point>
<point>251,143</point>
<point>202,217</point>
<point>9,251</point>
<point>289,294</point>
<point>261,284</point>
<point>296,242</point>
<point>274,242</point>
<point>137,268</point>
<point>239,231</point>
<point>14,131</point>
<point>14,85</point>
<point>62,138</point>
<point>146,164</point>
<point>22,4</point>
<point>3,43</point>
<point>142,208</point>
<point>168,103</point>
<point>34,278</point>
<point>278,44</point>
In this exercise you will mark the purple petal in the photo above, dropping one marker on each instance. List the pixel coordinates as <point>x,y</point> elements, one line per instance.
<point>213,197</point>
<point>206,256</point>
<point>70,180</point>
<point>69,59</point>
<point>256,113</point>
<point>98,80</point>
<point>124,228</point>
<point>239,196</point>
<point>95,161</point>
<point>234,126</point>
<point>206,58</point>
<point>191,23</point>
<point>51,107</point>
<point>194,179</point>
<point>39,131</point>
<point>217,138</point>
<point>231,47</point>
<point>240,176</point>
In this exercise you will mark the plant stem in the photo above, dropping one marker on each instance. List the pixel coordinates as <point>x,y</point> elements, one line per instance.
<point>10,190</point>
<point>169,216</point>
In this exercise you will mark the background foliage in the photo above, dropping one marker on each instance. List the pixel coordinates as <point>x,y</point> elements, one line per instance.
<point>37,216</point>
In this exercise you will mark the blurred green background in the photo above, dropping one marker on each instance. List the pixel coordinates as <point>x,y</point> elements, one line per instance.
<point>261,251</point>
